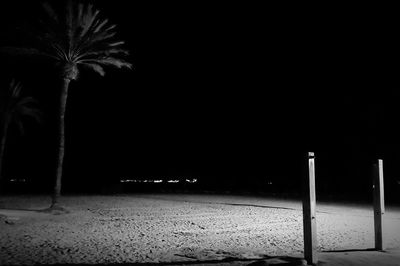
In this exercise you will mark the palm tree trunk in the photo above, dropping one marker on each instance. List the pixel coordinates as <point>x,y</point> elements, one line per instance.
<point>2,147</point>
<point>61,143</point>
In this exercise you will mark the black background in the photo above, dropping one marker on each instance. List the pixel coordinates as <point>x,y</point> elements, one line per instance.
<point>227,92</point>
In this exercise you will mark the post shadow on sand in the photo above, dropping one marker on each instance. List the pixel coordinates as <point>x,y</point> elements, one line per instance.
<point>278,260</point>
<point>229,204</point>
<point>350,250</point>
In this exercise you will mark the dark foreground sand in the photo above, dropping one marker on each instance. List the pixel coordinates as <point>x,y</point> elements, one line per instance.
<point>186,228</point>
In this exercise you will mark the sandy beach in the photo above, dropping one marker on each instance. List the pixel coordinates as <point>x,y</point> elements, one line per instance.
<point>163,228</point>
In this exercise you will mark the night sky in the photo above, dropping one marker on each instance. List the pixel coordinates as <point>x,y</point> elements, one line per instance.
<point>230,92</point>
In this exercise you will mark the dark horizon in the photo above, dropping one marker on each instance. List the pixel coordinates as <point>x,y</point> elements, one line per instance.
<point>229,91</point>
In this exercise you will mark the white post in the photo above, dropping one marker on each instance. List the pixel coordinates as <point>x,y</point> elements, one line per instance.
<point>309,211</point>
<point>379,204</point>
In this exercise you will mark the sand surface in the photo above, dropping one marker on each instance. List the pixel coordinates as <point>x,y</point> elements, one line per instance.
<point>180,228</point>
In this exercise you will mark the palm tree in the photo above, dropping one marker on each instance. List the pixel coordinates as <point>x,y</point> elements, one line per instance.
<point>13,107</point>
<point>71,36</point>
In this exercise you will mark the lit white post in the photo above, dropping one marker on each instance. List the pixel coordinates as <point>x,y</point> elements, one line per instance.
<point>309,211</point>
<point>379,204</point>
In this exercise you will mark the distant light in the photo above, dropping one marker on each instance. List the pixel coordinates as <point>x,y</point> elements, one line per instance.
<point>269,182</point>
<point>140,181</point>
<point>18,180</point>
<point>193,180</point>
<point>126,180</point>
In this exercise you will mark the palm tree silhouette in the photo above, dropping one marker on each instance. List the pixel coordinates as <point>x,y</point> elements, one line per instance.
<point>13,107</point>
<point>72,36</point>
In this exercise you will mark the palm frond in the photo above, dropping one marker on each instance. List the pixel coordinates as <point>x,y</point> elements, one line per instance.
<point>26,52</point>
<point>88,19</point>
<point>51,13</point>
<point>114,44</point>
<point>30,111</point>
<point>15,89</point>
<point>95,67</point>
<point>70,27</point>
<point>100,25</point>
<point>20,125</point>
<point>92,37</point>
<point>100,39</point>
<point>17,106</point>
<point>110,61</point>
<point>27,101</point>
<point>102,53</point>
